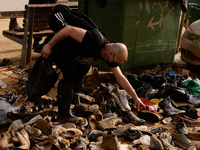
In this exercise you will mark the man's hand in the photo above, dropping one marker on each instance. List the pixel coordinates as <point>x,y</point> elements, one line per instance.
<point>139,104</point>
<point>46,51</point>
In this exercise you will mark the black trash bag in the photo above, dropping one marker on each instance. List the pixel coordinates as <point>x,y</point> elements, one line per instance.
<point>42,78</point>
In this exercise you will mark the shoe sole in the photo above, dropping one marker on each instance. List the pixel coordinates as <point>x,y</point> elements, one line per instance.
<point>149,116</point>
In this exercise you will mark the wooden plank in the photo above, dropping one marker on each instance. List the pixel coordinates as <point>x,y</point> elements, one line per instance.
<point>70,4</point>
<point>35,19</point>
<point>11,14</point>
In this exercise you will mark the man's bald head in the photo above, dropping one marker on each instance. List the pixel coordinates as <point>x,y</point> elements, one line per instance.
<point>121,52</point>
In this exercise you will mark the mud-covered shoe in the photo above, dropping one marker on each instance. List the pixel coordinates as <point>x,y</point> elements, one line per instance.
<point>180,139</point>
<point>87,109</point>
<point>155,130</point>
<point>110,142</point>
<point>44,126</point>
<point>181,127</point>
<point>130,117</point>
<point>121,129</point>
<point>132,134</point>
<point>187,120</point>
<point>167,145</point>
<point>69,133</point>
<point>109,123</point>
<point>93,135</point>
<point>120,96</point>
<point>166,136</point>
<point>155,143</point>
<point>82,143</point>
<point>92,122</point>
<point>149,116</point>
<point>194,135</point>
<point>142,147</point>
<point>5,138</point>
<point>196,129</point>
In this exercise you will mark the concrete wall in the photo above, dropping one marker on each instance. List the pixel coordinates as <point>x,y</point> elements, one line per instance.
<point>15,5</point>
<point>12,5</point>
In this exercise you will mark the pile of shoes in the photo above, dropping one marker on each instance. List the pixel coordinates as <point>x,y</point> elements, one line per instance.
<point>109,123</point>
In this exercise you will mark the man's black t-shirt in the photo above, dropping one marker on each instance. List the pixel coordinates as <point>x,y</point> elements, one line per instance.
<point>91,45</point>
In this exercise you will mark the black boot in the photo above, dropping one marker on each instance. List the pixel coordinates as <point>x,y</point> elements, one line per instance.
<point>64,99</point>
<point>77,89</point>
<point>168,107</point>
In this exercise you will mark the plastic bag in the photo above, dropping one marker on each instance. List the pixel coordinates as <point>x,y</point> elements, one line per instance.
<point>41,79</point>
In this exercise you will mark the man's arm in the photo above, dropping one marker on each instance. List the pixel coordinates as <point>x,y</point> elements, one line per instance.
<point>124,83</point>
<point>68,31</point>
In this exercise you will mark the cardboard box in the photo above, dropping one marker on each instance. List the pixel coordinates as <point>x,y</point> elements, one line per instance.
<point>151,106</point>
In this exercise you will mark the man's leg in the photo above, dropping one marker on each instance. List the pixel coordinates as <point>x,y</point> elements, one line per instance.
<point>73,73</point>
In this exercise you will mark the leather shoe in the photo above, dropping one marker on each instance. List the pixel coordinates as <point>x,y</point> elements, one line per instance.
<point>180,139</point>
<point>167,145</point>
<point>188,121</point>
<point>181,127</point>
<point>196,129</point>
<point>93,136</point>
<point>121,129</point>
<point>109,123</point>
<point>110,142</point>
<point>130,117</point>
<point>149,116</point>
<point>155,143</point>
<point>82,143</point>
<point>168,108</point>
<point>194,135</point>
<point>132,134</point>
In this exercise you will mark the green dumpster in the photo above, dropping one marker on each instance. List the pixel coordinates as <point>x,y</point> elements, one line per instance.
<point>193,12</point>
<point>149,29</point>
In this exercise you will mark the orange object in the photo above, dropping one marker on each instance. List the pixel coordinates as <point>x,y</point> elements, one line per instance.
<point>151,106</point>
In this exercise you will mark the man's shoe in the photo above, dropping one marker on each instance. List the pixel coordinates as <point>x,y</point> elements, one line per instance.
<point>110,142</point>
<point>194,135</point>
<point>155,143</point>
<point>155,130</point>
<point>149,116</point>
<point>82,143</point>
<point>93,135</point>
<point>167,145</point>
<point>196,129</point>
<point>168,108</point>
<point>181,127</point>
<point>192,147</point>
<point>44,126</point>
<point>142,147</point>
<point>130,117</point>
<point>121,129</point>
<point>132,134</point>
<point>188,121</point>
<point>109,123</point>
<point>180,139</point>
